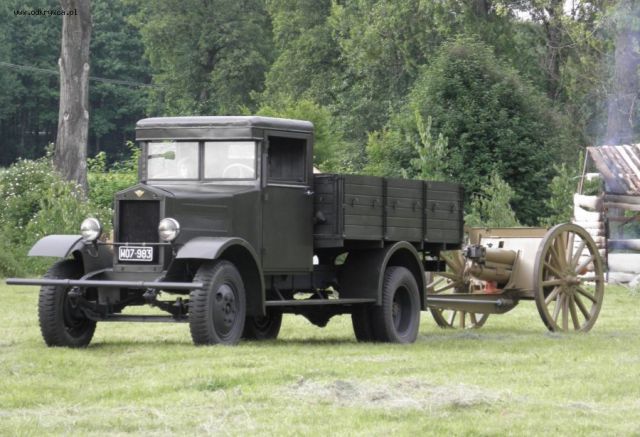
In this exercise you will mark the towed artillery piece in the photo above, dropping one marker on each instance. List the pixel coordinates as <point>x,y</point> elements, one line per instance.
<point>228,229</point>
<point>560,269</point>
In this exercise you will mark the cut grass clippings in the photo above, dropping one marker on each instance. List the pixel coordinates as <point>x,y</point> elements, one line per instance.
<point>511,377</point>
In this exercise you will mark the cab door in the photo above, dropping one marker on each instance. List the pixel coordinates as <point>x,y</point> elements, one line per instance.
<point>287,209</point>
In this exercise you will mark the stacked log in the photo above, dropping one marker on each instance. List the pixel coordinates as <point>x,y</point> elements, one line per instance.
<point>588,213</point>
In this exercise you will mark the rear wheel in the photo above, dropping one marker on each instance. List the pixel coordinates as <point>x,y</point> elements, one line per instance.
<point>217,312</point>
<point>62,322</point>
<point>398,318</point>
<point>263,327</point>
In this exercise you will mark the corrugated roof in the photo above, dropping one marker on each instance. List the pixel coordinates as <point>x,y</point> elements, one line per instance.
<point>619,167</point>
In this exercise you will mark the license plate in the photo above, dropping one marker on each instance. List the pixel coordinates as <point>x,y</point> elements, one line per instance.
<point>135,253</point>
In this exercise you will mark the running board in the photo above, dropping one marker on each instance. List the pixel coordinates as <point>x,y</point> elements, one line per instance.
<point>315,302</point>
<point>145,319</point>
<point>86,283</point>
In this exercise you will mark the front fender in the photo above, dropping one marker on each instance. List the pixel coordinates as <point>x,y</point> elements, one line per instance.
<point>243,256</point>
<point>60,246</point>
<point>212,247</point>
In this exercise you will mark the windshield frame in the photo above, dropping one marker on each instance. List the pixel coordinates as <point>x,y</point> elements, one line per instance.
<point>144,164</point>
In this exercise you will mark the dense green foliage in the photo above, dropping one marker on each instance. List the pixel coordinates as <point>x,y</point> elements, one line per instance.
<point>37,202</point>
<point>511,87</point>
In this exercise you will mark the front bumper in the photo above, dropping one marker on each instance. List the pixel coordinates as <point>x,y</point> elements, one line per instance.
<point>86,283</point>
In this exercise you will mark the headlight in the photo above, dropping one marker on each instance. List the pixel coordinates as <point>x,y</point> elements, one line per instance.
<point>168,229</point>
<point>90,229</point>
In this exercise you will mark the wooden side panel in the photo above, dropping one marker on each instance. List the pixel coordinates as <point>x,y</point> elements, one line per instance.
<point>363,207</point>
<point>444,212</point>
<point>403,210</point>
<point>326,201</point>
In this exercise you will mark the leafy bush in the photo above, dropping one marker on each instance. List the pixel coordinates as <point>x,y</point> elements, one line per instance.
<point>38,202</point>
<point>493,120</point>
<point>104,182</point>
<point>492,206</point>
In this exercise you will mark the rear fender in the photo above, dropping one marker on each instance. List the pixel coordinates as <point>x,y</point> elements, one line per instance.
<point>362,274</point>
<point>233,249</point>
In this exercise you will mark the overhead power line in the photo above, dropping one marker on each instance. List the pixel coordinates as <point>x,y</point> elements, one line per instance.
<point>94,78</point>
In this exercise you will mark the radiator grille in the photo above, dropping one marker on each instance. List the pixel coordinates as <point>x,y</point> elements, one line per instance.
<point>138,221</point>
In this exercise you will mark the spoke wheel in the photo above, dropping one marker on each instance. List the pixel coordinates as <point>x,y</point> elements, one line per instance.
<point>569,279</point>
<point>453,281</point>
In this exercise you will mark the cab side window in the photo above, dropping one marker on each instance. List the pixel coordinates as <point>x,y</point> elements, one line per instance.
<point>286,161</point>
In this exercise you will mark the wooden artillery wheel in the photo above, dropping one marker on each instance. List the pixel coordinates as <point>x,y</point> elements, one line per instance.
<point>567,260</point>
<point>453,281</point>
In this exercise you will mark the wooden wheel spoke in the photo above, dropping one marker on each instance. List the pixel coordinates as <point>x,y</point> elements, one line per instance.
<point>553,269</point>
<point>473,318</point>
<point>586,294</point>
<point>551,282</point>
<point>552,296</point>
<point>576,256</point>
<point>556,309</point>
<point>581,307</point>
<point>463,316</point>
<point>562,248</point>
<point>584,264</point>
<point>555,256</point>
<point>452,317</point>
<point>565,313</point>
<point>574,314</point>
<point>570,242</point>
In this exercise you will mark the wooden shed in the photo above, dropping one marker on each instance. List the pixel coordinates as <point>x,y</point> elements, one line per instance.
<point>612,217</point>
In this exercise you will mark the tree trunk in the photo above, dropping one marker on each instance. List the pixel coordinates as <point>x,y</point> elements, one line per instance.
<point>624,89</point>
<point>70,157</point>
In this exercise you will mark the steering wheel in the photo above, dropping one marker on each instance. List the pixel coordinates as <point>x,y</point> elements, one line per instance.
<point>238,171</point>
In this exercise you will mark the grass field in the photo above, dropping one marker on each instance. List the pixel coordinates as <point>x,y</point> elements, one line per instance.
<point>511,377</point>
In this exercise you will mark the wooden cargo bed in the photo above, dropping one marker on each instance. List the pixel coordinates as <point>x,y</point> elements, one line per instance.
<point>351,208</point>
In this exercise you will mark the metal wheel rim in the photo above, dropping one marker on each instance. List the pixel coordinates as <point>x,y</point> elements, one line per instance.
<point>225,309</point>
<point>401,310</point>
<point>564,300</point>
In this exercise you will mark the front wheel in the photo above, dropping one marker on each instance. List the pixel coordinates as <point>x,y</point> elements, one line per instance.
<point>398,318</point>
<point>217,312</point>
<point>62,322</point>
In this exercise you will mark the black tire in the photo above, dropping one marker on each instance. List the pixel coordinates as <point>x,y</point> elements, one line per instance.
<point>398,318</point>
<point>217,312</point>
<point>263,328</point>
<point>61,323</point>
<point>361,321</point>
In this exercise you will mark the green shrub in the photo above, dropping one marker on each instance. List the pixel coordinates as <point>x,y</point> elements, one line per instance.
<point>38,202</point>
<point>492,206</point>
<point>105,181</point>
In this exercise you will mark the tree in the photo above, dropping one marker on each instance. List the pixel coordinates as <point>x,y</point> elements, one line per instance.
<point>494,122</point>
<point>208,57</point>
<point>70,157</point>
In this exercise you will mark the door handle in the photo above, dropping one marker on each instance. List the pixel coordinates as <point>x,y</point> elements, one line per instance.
<point>308,192</point>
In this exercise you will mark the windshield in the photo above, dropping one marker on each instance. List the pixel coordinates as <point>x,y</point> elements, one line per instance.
<point>172,160</point>
<point>230,160</point>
